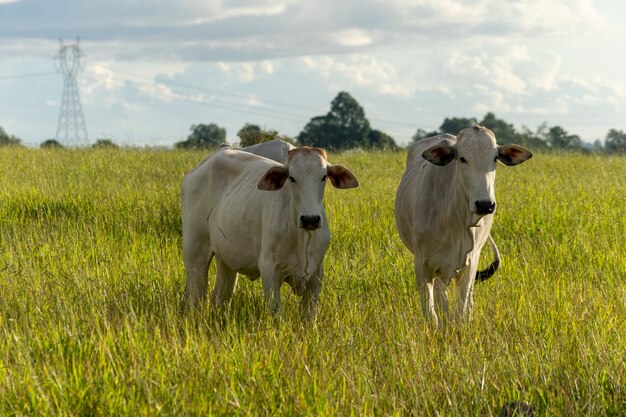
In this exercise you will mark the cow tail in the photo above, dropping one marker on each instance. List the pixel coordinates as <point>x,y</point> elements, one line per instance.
<point>487,273</point>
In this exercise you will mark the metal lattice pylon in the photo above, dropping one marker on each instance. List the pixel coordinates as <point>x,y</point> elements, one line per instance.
<point>71,128</point>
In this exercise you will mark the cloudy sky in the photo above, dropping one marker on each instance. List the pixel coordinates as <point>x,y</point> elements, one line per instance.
<point>154,68</point>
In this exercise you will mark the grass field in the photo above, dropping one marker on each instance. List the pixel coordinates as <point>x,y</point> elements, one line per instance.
<point>91,278</point>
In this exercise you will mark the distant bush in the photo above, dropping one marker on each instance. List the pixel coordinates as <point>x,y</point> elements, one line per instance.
<point>51,144</point>
<point>104,143</point>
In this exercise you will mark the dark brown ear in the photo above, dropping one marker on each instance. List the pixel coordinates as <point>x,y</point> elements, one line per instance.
<point>441,154</point>
<point>274,179</point>
<point>341,177</point>
<point>513,154</point>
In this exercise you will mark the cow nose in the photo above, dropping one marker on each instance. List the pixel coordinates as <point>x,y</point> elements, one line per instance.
<point>485,207</point>
<point>310,222</point>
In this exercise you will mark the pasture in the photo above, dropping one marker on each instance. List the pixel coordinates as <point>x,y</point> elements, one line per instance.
<point>91,278</point>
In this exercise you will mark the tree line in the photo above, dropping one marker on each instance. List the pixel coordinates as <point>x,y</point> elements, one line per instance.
<point>345,126</point>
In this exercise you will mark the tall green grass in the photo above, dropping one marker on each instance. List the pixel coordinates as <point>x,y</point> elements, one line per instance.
<point>91,278</point>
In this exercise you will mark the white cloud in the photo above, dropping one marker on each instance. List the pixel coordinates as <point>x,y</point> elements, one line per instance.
<point>255,10</point>
<point>214,30</point>
<point>103,78</point>
<point>525,60</point>
<point>351,37</point>
<point>267,67</point>
<point>159,92</point>
<point>464,64</point>
<point>498,71</point>
<point>244,72</point>
<point>544,72</point>
<point>359,70</point>
<point>558,16</point>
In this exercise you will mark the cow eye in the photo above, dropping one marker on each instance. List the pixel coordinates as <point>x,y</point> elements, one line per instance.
<point>324,178</point>
<point>292,179</point>
<point>463,160</point>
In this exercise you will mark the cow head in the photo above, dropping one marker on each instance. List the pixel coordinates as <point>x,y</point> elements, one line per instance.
<point>476,154</point>
<point>305,175</point>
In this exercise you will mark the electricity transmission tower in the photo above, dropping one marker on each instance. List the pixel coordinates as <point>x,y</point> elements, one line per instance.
<point>71,128</point>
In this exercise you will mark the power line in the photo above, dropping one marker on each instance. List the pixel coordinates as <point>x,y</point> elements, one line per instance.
<point>247,97</point>
<point>32,75</point>
<point>220,104</point>
<point>263,111</point>
<point>239,105</point>
<point>220,92</point>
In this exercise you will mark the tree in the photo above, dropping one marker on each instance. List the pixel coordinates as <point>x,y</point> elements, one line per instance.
<point>422,134</point>
<point>558,138</point>
<point>251,134</point>
<point>597,146</point>
<point>6,140</point>
<point>50,144</point>
<point>615,141</point>
<point>505,132</point>
<point>343,127</point>
<point>104,144</point>
<point>380,140</point>
<point>349,117</point>
<point>203,137</point>
<point>532,139</point>
<point>455,124</point>
<point>318,131</point>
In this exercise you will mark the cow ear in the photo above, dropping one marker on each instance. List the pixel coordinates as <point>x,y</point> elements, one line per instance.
<point>341,177</point>
<point>274,179</point>
<point>513,154</point>
<point>441,154</point>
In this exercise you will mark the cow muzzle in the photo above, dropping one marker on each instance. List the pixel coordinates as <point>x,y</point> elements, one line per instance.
<point>484,207</point>
<point>310,222</point>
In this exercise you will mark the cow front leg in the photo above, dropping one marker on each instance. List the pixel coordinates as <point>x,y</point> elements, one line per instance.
<point>441,303</point>
<point>271,280</point>
<point>424,280</point>
<point>225,284</point>
<point>308,304</point>
<point>196,256</point>
<point>464,289</point>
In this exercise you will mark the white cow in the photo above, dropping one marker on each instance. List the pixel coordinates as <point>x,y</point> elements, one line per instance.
<point>261,218</point>
<point>444,211</point>
<point>274,149</point>
<point>277,150</point>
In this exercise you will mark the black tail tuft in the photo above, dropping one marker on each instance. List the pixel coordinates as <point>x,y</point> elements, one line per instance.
<point>487,273</point>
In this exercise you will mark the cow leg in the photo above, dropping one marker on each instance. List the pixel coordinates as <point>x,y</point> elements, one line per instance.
<point>424,281</point>
<point>464,289</point>
<point>196,259</point>
<point>225,283</point>
<point>308,304</point>
<point>271,280</point>
<point>441,302</point>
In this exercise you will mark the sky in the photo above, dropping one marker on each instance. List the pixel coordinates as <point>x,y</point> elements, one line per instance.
<point>152,69</point>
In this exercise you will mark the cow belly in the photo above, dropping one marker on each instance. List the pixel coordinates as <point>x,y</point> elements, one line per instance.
<point>448,263</point>
<point>237,244</point>
<point>238,257</point>
<point>445,258</point>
